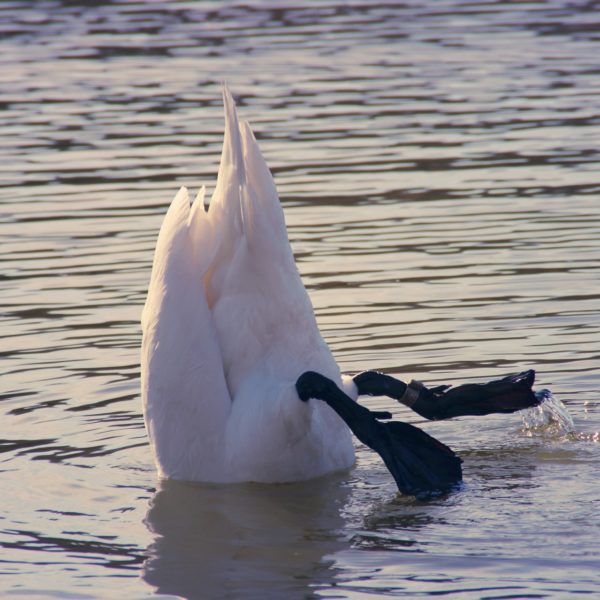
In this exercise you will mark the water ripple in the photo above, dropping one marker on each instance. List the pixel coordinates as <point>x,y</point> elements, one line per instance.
<point>437,164</point>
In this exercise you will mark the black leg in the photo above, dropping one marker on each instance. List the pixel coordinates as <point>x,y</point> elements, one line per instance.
<point>418,462</point>
<point>505,395</point>
<point>375,383</point>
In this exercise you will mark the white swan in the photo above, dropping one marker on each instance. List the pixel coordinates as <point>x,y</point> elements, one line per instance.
<point>231,347</point>
<point>227,330</point>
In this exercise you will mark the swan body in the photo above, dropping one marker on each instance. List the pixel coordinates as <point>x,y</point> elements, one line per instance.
<point>237,382</point>
<point>228,328</point>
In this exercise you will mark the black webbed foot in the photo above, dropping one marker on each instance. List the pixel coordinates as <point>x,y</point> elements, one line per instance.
<point>506,395</point>
<point>418,462</point>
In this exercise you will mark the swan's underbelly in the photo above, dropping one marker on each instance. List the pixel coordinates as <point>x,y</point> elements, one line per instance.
<point>272,436</point>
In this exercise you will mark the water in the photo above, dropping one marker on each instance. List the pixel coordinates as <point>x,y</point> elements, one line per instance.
<point>551,417</point>
<point>438,166</point>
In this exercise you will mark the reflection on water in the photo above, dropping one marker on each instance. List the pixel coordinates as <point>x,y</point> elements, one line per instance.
<point>438,167</point>
<point>238,541</point>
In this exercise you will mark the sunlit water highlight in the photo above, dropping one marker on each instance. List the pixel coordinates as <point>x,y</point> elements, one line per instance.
<point>438,167</point>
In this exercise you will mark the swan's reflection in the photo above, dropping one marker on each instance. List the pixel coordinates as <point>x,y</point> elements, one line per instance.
<point>244,541</point>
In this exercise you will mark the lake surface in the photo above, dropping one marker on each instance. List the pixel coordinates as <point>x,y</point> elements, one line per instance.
<point>438,166</point>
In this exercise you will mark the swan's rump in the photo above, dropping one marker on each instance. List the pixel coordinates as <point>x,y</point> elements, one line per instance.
<point>228,328</point>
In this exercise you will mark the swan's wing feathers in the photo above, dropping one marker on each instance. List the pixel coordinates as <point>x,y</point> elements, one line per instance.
<point>185,397</point>
<point>202,235</point>
<point>171,240</point>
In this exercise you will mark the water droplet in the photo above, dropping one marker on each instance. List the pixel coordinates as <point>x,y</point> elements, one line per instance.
<point>550,418</point>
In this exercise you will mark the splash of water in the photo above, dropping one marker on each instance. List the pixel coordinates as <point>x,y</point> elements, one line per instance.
<point>550,418</point>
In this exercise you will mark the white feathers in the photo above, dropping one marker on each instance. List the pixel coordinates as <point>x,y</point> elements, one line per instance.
<point>227,329</point>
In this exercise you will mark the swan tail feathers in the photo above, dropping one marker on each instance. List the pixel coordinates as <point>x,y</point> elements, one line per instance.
<point>233,141</point>
<point>245,204</point>
<point>266,228</point>
<point>226,203</point>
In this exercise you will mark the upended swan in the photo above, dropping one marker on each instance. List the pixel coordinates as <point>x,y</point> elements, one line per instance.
<point>237,381</point>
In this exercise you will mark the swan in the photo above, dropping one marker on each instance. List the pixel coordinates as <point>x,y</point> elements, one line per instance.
<point>237,382</point>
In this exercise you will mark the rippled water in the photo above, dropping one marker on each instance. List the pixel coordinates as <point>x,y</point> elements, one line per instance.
<point>438,165</point>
